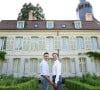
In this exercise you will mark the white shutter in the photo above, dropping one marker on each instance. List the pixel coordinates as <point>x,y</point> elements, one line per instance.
<point>72,42</point>
<point>26,43</point>
<point>57,43</point>
<point>98,42</point>
<point>10,43</point>
<point>87,42</point>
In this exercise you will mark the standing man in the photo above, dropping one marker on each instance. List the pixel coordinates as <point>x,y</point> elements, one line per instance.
<point>44,70</point>
<point>56,71</point>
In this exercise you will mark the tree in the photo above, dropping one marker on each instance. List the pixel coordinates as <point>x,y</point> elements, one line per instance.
<point>2,55</point>
<point>37,12</point>
<point>95,55</point>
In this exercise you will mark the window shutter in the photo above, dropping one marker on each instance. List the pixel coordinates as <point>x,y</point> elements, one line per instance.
<point>32,45</point>
<point>57,43</point>
<point>87,42</point>
<point>99,42</point>
<point>10,43</point>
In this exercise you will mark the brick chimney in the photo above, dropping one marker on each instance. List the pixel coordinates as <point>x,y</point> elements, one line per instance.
<point>88,17</point>
<point>30,16</point>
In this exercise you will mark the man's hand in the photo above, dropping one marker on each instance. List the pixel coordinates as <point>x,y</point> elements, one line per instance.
<point>55,85</point>
<point>52,84</point>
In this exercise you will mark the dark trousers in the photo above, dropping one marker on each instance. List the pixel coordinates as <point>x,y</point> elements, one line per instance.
<point>59,87</point>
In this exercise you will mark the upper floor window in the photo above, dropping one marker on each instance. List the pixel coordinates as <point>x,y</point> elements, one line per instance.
<point>3,43</point>
<point>64,43</point>
<point>80,43</point>
<point>20,24</point>
<point>50,24</point>
<point>35,43</point>
<point>94,42</point>
<point>77,24</point>
<point>19,43</point>
<point>49,43</point>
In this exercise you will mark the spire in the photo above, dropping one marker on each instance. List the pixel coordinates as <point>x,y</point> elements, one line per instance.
<point>82,1</point>
<point>83,8</point>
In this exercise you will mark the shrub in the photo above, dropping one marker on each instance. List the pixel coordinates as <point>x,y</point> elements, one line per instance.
<point>30,85</point>
<point>76,85</point>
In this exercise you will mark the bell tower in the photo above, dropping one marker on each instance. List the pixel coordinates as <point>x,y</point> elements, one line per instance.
<point>83,8</point>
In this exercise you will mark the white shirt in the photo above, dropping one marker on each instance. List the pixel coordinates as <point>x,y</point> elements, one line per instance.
<point>56,70</point>
<point>44,68</point>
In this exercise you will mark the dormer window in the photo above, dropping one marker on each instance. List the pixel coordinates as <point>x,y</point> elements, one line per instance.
<point>20,24</point>
<point>63,25</point>
<point>50,24</point>
<point>77,24</point>
<point>36,25</point>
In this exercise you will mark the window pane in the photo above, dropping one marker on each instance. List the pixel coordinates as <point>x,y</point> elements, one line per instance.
<point>50,24</point>
<point>19,43</point>
<point>49,43</point>
<point>64,43</point>
<point>94,43</point>
<point>3,43</point>
<point>80,43</point>
<point>35,43</point>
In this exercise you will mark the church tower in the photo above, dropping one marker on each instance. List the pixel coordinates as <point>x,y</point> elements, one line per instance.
<point>84,8</point>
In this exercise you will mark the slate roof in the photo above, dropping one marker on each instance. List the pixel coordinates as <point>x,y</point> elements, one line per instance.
<point>29,25</point>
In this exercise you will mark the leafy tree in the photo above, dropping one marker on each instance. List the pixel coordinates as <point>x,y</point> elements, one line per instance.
<point>37,12</point>
<point>95,55</point>
<point>2,55</point>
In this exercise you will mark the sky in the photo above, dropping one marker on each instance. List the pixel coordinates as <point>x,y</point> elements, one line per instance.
<point>53,9</point>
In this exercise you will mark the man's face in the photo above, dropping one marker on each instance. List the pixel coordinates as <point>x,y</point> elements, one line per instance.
<point>55,57</point>
<point>46,56</point>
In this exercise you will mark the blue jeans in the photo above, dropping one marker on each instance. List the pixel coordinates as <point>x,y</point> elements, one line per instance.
<point>59,87</point>
<point>44,83</point>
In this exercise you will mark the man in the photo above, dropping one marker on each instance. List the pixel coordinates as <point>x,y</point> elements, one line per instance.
<point>56,71</point>
<point>44,70</point>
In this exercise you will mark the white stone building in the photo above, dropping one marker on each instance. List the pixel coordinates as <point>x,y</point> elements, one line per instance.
<point>26,41</point>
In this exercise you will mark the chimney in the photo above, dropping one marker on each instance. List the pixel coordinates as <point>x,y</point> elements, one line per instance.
<point>31,17</point>
<point>88,17</point>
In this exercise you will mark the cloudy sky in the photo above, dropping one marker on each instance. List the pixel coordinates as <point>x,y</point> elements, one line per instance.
<point>53,9</point>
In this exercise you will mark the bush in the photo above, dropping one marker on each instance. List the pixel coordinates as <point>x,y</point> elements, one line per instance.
<point>76,85</point>
<point>30,85</point>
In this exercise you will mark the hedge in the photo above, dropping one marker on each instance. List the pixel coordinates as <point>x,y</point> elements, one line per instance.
<point>92,82</point>
<point>76,85</point>
<point>30,85</point>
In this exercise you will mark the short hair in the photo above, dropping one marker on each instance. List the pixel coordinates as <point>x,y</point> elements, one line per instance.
<point>45,53</point>
<point>56,54</point>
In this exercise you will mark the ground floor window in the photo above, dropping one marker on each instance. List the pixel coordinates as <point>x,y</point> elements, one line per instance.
<point>82,64</point>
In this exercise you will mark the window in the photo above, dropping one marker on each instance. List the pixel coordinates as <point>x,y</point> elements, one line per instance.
<point>63,25</point>
<point>94,43</point>
<point>3,43</point>
<point>50,24</point>
<point>77,24</point>
<point>80,43</point>
<point>34,65</point>
<point>19,43</point>
<point>64,43</point>
<point>16,65</point>
<point>49,43</point>
<point>35,43</point>
<point>96,65</point>
<point>20,24</point>
<point>82,65</point>
<point>36,25</point>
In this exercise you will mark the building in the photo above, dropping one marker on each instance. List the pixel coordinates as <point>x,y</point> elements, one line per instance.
<point>26,41</point>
